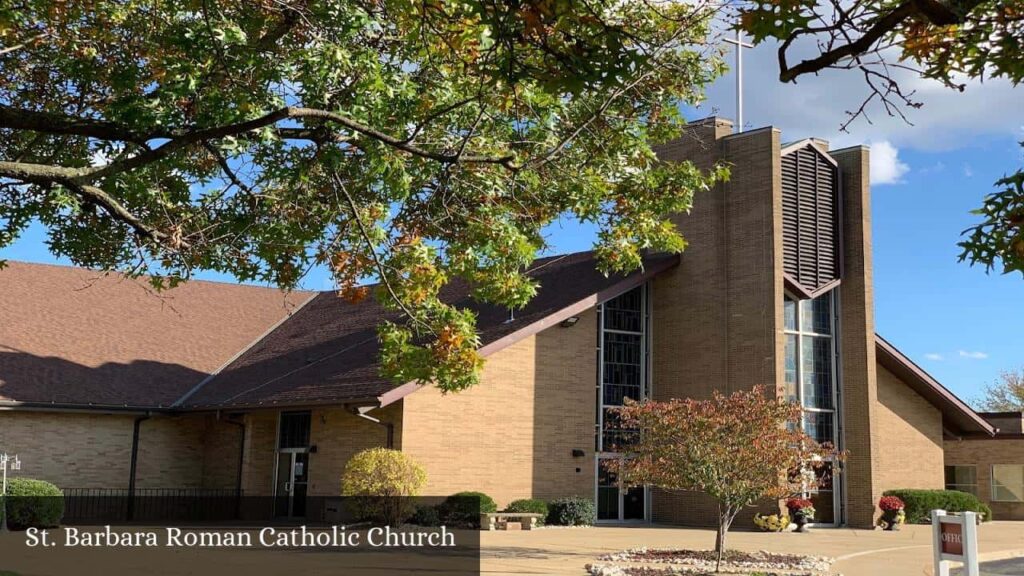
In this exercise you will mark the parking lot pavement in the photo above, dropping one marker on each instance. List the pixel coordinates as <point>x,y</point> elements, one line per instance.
<point>1011,567</point>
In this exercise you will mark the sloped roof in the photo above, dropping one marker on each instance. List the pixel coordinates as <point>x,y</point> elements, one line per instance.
<point>956,414</point>
<point>326,353</point>
<point>71,336</point>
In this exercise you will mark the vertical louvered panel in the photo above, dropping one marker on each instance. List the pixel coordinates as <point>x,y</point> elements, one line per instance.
<point>809,218</point>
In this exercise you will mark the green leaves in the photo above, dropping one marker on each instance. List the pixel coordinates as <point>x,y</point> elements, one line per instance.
<point>999,238</point>
<point>402,143</point>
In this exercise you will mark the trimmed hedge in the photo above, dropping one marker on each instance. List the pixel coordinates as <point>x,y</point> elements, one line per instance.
<point>465,508</point>
<point>427,516</point>
<point>920,503</point>
<point>530,505</point>
<point>572,511</point>
<point>33,504</point>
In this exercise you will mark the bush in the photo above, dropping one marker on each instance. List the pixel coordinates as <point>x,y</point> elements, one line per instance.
<point>572,511</point>
<point>918,504</point>
<point>33,504</point>
<point>465,508</point>
<point>426,516</point>
<point>530,505</point>
<point>382,482</point>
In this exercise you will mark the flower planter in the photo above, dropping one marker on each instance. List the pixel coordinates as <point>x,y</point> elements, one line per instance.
<point>892,519</point>
<point>801,521</point>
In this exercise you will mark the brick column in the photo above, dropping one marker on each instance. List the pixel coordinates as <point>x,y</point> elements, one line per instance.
<point>857,338</point>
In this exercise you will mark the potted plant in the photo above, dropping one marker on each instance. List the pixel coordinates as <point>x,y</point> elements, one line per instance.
<point>893,514</point>
<point>771,522</point>
<point>802,512</point>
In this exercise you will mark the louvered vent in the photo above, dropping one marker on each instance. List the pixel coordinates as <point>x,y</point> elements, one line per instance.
<point>810,228</point>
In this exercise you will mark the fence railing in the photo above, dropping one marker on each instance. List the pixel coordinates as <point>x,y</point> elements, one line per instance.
<point>150,504</point>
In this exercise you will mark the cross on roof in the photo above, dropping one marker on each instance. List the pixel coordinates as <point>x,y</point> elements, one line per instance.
<point>740,45</point>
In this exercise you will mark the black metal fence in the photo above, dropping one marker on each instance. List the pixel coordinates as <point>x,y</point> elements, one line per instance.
<point>87,505</point>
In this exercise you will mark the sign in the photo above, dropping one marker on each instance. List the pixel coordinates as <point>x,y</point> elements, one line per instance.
<point>952,538</point>
<point>955,539</point>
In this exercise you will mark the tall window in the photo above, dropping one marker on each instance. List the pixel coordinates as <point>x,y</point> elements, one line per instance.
<point>962,478</point>
<point>811,364</point>
<point>623,368</point>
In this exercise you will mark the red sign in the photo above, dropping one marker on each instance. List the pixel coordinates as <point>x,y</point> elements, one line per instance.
<point>952,537</point>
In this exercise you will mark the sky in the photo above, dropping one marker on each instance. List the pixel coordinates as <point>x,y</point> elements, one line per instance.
<point>957,322</point>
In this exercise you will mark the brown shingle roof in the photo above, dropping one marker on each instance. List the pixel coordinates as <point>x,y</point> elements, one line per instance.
<point>70,336</point>
<point>326,353</point>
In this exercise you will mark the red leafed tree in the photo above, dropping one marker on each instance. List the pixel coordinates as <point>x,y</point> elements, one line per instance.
<point>739,449</point>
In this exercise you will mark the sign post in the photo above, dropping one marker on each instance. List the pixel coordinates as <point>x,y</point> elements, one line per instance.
<point>955,539</point>
<point>15,464</point>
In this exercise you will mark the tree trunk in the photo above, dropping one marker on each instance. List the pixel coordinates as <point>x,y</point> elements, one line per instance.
<point>725,518</point>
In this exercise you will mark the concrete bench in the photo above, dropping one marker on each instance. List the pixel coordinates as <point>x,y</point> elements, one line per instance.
<point>509,520</point>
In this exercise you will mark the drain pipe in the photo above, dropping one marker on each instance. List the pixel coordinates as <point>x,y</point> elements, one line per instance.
<point>130,512</point>
<point>241,461</point>
<point>389,425</point>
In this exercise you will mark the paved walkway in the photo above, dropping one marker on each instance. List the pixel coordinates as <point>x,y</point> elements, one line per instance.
<point>858,552</point>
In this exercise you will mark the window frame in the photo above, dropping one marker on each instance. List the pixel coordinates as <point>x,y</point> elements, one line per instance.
<point>799,333</point>
<point>954,486</point>
<point>992,483</point>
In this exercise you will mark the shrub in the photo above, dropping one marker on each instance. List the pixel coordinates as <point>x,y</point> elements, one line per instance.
<point>381,482</point>
<point>530,505</point>
<point>427,516</point>
<point>465,508</point>
<point>918,504</point>
<point>572,511</point>
<point>33,504</point>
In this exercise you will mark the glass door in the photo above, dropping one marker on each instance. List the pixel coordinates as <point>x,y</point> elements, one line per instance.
<point>291,474</point>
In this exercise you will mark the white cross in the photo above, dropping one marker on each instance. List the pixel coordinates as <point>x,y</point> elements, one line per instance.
<point>740,45</point>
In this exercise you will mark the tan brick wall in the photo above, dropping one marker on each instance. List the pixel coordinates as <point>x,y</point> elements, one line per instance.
<point>857,339</point>
<point>338,435</point>
<point>512,436</point>
<point>718,317</point>
<point>983,453</point>
<point>910,453</point>
<point>77,450</point>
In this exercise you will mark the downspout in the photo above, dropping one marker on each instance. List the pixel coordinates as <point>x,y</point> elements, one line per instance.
<point>241,462</point>
<point>389,425</point>
<point>130,513</point>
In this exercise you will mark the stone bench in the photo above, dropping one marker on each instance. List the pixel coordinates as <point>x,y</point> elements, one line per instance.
<point>509,520</point>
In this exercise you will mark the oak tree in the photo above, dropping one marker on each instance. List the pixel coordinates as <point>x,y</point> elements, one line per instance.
<point>412,142</point>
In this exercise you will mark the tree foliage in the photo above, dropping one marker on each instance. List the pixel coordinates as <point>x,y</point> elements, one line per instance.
<point>381,483</point>
<point>1006,394</point>
<point>739,449</point>
<point>408,141</point>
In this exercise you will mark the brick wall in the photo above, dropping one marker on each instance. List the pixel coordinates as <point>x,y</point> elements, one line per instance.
<point>718,316</point>
<point>910,452</point>
<point>983,453</point>
<point>513,435</point>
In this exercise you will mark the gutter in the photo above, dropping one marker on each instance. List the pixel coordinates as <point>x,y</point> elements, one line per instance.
<point>134,464</point>
<point>360,411</point>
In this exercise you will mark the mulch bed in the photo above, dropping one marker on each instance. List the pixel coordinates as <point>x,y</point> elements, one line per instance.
<point>638,561</point>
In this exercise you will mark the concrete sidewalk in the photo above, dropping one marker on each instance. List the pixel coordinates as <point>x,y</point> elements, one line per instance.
<point>858,552</point>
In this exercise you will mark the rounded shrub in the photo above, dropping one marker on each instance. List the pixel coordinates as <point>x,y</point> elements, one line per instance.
<point>531,505</point>
<point>465,508</point>
<point>918,504</point>
<point>381,482</point>
<point>426,516</point>
<point>33,504</point>
<point>572,511</point>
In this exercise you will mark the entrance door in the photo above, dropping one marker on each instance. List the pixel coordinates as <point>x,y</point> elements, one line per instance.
<point>616,503</point>
<point>292,484</point>
<point>291,475</point>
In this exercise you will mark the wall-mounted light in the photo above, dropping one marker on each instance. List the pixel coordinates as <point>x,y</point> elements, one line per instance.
<point>569,322</point>
<point>577,453</point>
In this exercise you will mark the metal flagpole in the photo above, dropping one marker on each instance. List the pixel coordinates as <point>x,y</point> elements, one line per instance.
<point>740,45</point>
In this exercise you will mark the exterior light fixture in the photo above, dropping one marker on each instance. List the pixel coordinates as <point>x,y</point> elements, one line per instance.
<point>569,322</point>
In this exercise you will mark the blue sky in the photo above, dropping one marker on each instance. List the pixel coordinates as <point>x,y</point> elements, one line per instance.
<point>959,323</point>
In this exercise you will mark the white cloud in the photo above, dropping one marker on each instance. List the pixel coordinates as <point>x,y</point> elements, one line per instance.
<point>934,356</point>
<point>886,167</point>
<point>818,105</point>
<point>968,171</point>
<point>973,355</point>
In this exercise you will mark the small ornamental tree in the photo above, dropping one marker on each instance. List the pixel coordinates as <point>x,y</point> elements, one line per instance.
<point>738,449</point>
